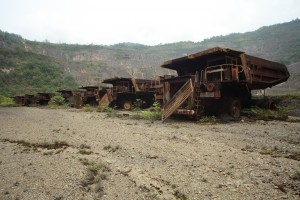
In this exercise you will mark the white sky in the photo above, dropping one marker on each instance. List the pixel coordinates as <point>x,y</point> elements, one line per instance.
<point>147,22</point>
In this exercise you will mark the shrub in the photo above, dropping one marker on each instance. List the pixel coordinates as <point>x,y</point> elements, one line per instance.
<point>6,101</point>
<point>57,100</point>
<point>138,104</point>
<point>153,113</point>
<point>156,107</point>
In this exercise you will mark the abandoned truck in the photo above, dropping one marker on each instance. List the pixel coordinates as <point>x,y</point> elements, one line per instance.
<point>217,80</point>
<point>126,91</point>
<point>86,95</point>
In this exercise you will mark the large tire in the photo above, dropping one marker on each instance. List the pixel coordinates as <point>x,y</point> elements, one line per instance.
<point>127,104</point>
<point>234,108</point>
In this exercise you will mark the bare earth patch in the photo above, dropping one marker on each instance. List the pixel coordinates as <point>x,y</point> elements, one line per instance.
<point>65,154</point>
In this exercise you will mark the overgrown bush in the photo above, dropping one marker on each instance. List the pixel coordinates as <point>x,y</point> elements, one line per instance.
<point>153,113</point>
<point>57,100</point>
<point>6,101</point>
<point>138,104</point>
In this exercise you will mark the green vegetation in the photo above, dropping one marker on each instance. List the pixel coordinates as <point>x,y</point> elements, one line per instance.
<point>153,113</point>
<point>281,113</point>
<point>88,108</point>
<point>5,101</point>
<point>208,119</point>
<point>23,71</point>
<point>57,100</point>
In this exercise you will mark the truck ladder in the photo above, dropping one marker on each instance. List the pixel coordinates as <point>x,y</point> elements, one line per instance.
<point>197,102</point>
<point>181,95</point>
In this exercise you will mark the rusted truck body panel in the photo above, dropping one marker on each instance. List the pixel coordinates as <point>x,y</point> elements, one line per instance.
<point>90,95</point>
<point>66,94</point>
<point>29,99</point>
<point>43,98</point>
<point>86,95</point>
<point>126,91</point>
<point>219,78</point>
<point>18,99</point>
<point>76,100</point>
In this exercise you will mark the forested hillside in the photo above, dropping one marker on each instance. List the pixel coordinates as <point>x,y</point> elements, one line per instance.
<point>23,71</point>
<point>28,66</point>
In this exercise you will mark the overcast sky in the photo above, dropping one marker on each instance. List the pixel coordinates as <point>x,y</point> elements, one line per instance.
<point>147,22</point>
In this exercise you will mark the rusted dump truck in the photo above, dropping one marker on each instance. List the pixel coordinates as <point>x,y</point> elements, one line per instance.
<point>43,98</point>
<point>85,95</point>
<point>29,99</point>
<point>217,80</point>
<point>126,91</point>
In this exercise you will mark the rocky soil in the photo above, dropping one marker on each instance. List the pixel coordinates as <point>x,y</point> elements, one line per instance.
<point>67,154</point>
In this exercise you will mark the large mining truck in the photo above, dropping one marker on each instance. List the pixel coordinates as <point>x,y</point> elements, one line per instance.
<point>126,91</point>
<point>217,79</point>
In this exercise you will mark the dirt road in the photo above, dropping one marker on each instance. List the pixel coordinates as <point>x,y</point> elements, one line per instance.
<point>66,154</point>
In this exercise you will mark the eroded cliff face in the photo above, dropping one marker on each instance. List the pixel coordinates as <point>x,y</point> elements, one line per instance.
<point>93,64</point>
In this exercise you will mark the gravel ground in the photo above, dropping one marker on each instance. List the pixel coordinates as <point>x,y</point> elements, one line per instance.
<point>67,154</point>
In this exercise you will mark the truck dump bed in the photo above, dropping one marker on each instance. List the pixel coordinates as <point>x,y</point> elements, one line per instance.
<point>259,73</point>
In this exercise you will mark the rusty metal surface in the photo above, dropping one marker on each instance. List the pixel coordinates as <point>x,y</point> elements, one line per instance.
<point>43,98</point>
<point>185,112</point>
<point>29,99</point>
<point>257,72</point>
<point>266,73</point>
<point>18,100</point>
<point>129,89</point>
<point>189,60</point>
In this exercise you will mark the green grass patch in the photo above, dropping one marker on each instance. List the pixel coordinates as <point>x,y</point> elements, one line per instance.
<point>153,113</point>
<point>88,108</point>
<point>208,119</point>
<point>147,114</point>
<point>281,113</point>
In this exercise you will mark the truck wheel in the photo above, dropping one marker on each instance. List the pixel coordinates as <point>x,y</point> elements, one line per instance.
<point>127,105</point>
<point>235,108</point>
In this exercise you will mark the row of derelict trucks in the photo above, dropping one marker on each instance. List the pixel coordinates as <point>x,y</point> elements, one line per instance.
<point>217,80</point>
